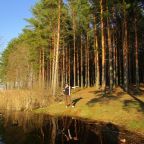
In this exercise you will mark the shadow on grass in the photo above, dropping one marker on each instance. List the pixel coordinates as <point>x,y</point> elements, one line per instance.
<point>75,101</point>
<point>100,92</point>
<point>131,104</point>
<point>101,99</point>
<point>136,102</point>
<point>95,92</point>
<point>119,94</point>
<point>134,91</point>
<point>139,104</point>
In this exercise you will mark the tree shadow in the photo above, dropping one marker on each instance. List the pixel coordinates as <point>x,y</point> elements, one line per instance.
<point>101,99</point>
<point>137,101</point>
<point>95,92</point>
<point>107,94</point>
<point>131,104</point>
<point>119,94</point>
<point>75,101</point>
<point>134,91</point>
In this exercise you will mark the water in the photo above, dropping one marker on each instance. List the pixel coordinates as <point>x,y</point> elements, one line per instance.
<point>28,128</point>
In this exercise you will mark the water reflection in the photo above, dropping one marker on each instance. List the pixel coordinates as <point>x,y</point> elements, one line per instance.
<point>28,128</point>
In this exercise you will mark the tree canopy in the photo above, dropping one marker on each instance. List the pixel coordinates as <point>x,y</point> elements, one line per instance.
<point>81,42</point>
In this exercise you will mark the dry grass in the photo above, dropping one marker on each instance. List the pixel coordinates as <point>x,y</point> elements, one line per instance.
<point>23,99</point>
<point>119,108</point>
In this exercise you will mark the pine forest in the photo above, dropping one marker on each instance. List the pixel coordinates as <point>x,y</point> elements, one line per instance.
<point>86,43</point>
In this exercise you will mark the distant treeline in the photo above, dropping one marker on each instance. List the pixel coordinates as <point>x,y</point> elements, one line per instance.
<point>82,42</point>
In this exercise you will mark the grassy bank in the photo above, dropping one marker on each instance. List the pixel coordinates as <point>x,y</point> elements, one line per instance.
<point>120,108</point>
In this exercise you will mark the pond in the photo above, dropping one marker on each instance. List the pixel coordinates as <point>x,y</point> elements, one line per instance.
<point>29,128</point>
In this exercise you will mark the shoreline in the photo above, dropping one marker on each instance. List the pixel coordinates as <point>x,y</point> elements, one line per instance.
<point>95,107</point>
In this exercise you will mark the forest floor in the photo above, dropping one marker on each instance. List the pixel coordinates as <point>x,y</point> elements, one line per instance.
<point>123,109</point>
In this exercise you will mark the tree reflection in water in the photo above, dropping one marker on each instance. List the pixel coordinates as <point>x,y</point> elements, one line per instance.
<point>28,128</point>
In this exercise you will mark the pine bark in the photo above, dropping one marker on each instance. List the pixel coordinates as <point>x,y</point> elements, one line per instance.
<point>136,54</point>
<point>81,47</point>
<point>55,78</point>
<point>125,51</point>
<point>110,55</point>
<point>74,47</point>
<point>97,70</point>
<point>102,46</point>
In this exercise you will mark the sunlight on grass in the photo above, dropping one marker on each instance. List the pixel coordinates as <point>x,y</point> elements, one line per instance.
<point>136,125</point>
<point>119,108</point>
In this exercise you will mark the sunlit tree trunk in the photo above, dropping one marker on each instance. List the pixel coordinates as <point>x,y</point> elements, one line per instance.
<point>81,47</point>
<point>97,70</point>
<point>87,61</point>
<point>78,67</point>
<point>63,67</point>
<point>110,54</point>
<point>67,65</point>
<point>40,67</point>
<point>55,78</point>
<point>50,65</point>
<point>47,73</point>
<point>102,46</point>
<point>43,67</point>
<point>53,60</point>
<point>74,46</point>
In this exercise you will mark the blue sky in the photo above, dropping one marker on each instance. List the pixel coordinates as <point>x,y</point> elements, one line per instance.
<point>12,14</point>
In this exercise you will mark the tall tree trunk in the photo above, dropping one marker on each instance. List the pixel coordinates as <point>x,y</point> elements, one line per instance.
<point>116,59</point>
<point>53,60</point>
<point>40,67</point>
<point>82,77</point>
<point>116,64</point>
<point>103,47</point>
<point>110,54</point>
<point>78,68</point>
<point>43,67</point>
<point>49,73</point>
<point>125,50</point>
<point>87,60</point>
<point>74,46</point>
<point>67,65</point>
<point>120,56</point>
<point>136,54</point>
<point>69,59</point>
<point>63,67</point>
<point>55,78</point>
<point>50,65</point>
<point>97,70</point>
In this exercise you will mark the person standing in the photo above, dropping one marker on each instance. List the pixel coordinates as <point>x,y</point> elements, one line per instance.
<point>67,93</point>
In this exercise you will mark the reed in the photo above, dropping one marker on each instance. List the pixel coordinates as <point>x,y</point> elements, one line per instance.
<point>23,100</point>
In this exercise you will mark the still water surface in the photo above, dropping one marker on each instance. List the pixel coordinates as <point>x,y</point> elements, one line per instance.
<point>28,128</point>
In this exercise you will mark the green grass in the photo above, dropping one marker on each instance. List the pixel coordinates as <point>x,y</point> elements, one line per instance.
<point>136,125</point>
<point>118,108</point>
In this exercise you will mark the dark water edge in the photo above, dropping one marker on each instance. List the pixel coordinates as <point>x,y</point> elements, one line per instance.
<point>30,128</point>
